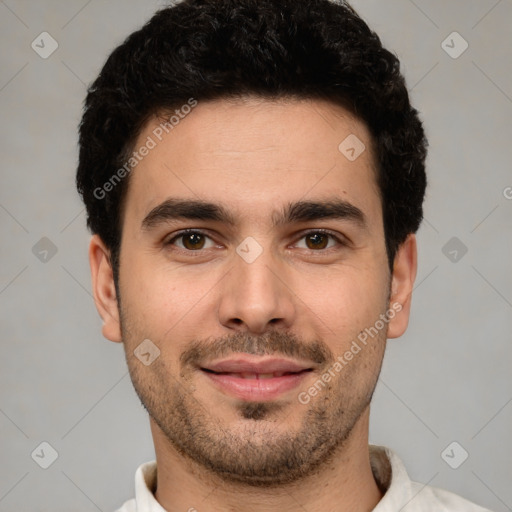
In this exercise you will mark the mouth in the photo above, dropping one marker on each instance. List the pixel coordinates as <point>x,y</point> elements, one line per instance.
<point>256,379</point>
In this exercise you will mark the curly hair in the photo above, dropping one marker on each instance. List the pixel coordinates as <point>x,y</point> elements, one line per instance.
<point>215,49</point>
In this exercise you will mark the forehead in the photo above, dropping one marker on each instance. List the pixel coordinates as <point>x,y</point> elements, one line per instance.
<point>253,156</point>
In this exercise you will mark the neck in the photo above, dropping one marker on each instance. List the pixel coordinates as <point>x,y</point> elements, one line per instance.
<point>345,483</point>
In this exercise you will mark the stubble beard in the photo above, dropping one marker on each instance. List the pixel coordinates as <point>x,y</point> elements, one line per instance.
<point>254,452</point>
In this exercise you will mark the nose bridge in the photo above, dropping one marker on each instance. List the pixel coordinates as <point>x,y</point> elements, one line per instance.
<point>255,295</point>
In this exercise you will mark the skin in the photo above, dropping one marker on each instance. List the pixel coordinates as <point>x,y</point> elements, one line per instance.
<point>254,157</point>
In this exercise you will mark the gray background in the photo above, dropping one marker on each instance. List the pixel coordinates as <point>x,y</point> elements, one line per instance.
<point>448,379</point>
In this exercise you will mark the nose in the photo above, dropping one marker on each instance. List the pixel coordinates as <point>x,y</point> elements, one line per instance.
<point>256,296</point>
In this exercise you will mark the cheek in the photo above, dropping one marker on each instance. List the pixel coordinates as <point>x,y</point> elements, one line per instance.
<point>343,304</point>
<point>162,298</point>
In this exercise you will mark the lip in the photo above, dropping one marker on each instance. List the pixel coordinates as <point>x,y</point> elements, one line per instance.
<point>259,387</point>
<point>256,364</point>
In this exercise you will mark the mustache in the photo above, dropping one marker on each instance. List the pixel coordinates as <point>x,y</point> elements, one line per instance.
<point>271,343</point>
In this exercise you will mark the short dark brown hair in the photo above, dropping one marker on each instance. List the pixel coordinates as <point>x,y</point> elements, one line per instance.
<point>213,49</point>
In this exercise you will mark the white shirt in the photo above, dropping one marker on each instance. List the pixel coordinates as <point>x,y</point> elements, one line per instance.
<point>401,493</point>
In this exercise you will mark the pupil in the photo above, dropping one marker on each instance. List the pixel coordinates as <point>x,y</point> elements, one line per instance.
<point>317,240</point>
<point>192,241</point>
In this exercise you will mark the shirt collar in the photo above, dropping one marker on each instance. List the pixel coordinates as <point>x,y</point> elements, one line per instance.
<point>392,479</point>
<point>145,486</point>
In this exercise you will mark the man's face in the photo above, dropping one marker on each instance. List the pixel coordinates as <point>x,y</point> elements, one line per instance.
<point>285,267</point>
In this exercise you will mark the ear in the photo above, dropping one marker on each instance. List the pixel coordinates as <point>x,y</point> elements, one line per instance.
<point>402,282</point>
<point>103,288</point>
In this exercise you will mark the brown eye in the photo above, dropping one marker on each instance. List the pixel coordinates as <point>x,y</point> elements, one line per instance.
<point>191,241</point>
<point>317,240</point>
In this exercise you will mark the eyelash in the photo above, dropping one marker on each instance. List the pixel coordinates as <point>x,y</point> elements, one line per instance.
<point>185,232</point>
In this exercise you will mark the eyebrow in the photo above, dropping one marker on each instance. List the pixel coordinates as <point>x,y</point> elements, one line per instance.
<point>301,211</point>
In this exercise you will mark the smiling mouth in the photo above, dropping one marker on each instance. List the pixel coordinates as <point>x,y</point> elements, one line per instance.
<point>256,376</point>
<point>255,386</point>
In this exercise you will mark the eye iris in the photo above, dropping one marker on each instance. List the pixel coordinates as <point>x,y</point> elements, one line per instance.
<point>193,241</point>
<point>319,241</point>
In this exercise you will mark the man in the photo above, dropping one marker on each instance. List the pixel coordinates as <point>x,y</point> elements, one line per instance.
<point>254,176</point>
